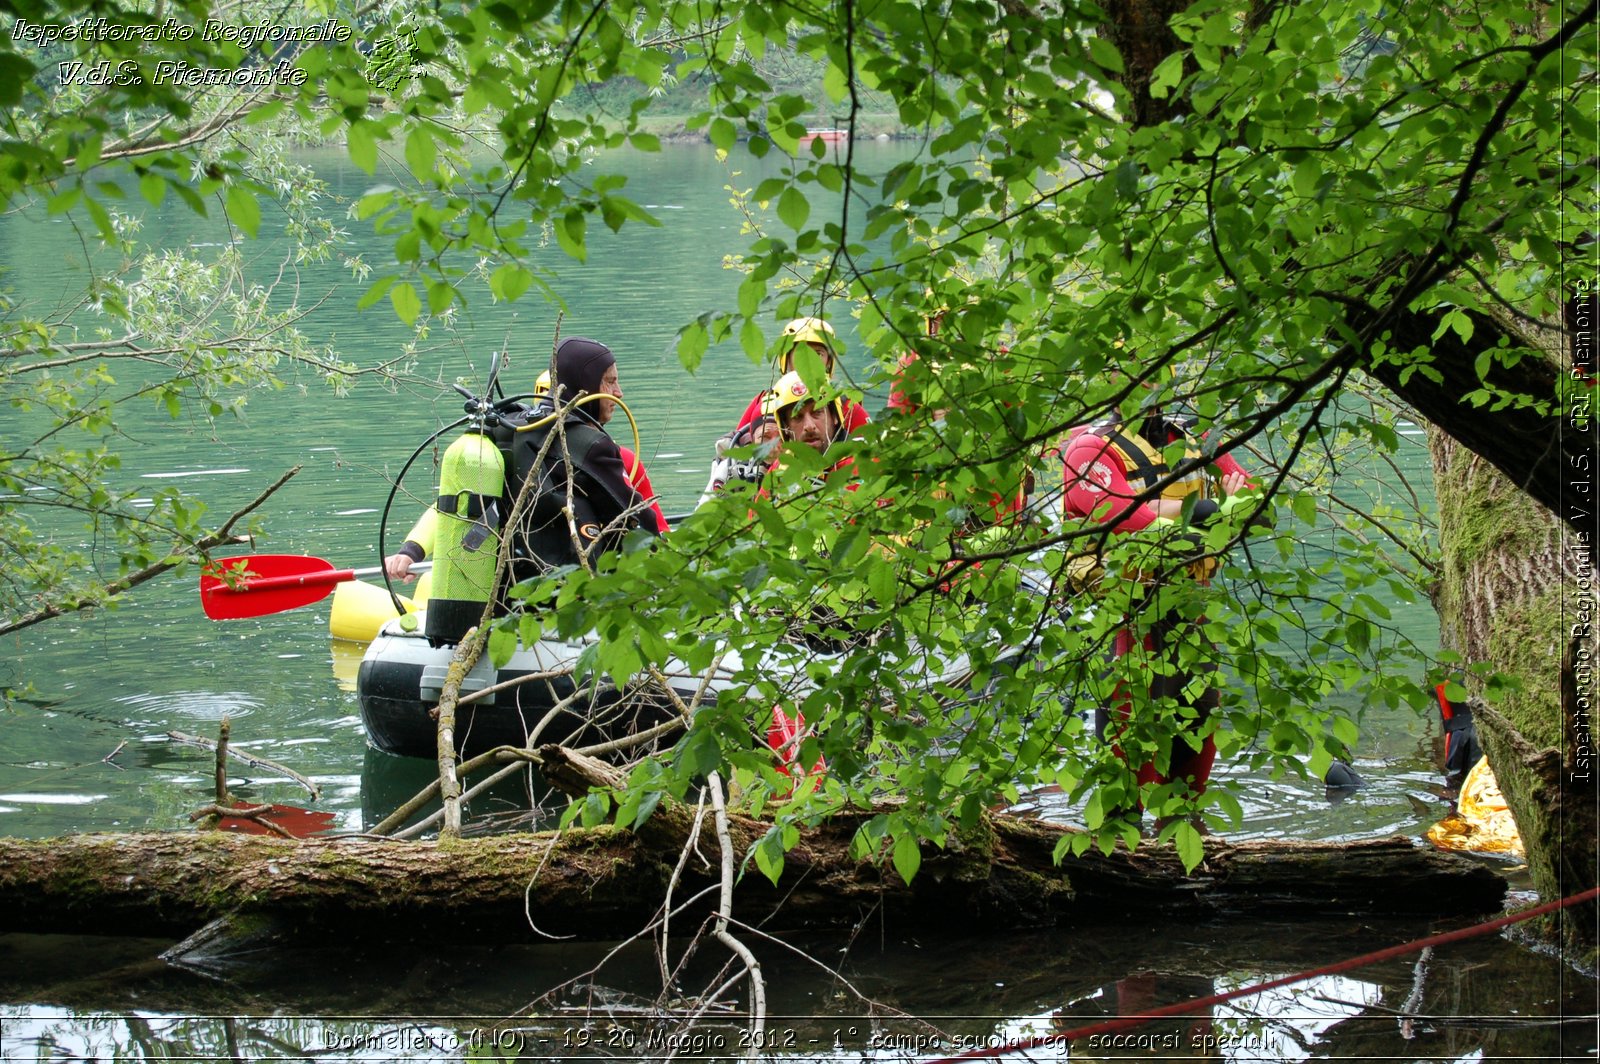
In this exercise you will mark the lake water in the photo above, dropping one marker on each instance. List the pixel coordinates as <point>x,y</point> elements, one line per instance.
<point>91,752</point>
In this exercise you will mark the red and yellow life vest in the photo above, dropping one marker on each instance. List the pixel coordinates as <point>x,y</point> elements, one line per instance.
<point>1144,468</point>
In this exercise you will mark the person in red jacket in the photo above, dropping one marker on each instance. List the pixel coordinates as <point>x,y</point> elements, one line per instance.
<point>641,484</point>
<point>1108,466</point>
<point>906,399</point>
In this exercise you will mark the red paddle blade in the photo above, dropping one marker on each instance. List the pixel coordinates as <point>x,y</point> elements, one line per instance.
<point>259,584</point>
<point>301,823</point>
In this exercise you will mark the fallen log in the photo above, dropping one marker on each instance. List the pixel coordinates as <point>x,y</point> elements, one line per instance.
<point>603,882</point>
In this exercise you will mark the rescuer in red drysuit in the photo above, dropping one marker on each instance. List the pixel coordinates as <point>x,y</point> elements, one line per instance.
<point>1107,465</point>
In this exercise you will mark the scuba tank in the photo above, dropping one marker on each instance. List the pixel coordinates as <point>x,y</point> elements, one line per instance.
<point>463,525</point>
<point>472,479</point>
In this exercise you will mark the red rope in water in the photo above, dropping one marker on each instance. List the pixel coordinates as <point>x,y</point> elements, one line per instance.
<point>1185,1008</point>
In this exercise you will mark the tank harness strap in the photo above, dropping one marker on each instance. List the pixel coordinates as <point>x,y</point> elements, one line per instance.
<point>475,508</point>
<point>1138,464</point>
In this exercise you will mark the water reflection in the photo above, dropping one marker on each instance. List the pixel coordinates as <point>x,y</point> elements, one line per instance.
<point>893,999</point>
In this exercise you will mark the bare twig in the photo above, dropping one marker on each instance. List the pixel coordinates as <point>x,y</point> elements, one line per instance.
<point>254,813</point>
<point>249,759</point>
<point>672,886</point>
<point>461,662</point>
<point>180,554</point>
<point>758,990</point>
<point>223,731</point>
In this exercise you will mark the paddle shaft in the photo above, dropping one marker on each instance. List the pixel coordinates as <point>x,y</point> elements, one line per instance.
<point>325,576</point>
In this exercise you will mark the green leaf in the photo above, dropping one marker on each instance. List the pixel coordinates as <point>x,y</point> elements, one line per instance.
<point>595,808</point>
<point>571,231</point>
<point>722,134</point>
<point>510,281</point>
<point>751,292</point>
<point>1304,505</point>
<point>15,72</point>
<point>699,753</point>
<point>440,296</point>
<point>907,855</point>
<point>1166,75</point>
<point>502,644</point>
<point>1359,633</point>
<point>1105,54</point>
<point>373,201</point>
<point>881,579</point>
<point>102,220</point>
<point>66,199</point>
<point>769,855</point>
<point>1127,178</point>
<point>1186,840</point>
<point>243,209</point>
<point>751,340</point>
<point>1307,175</point>
<point>1321,760</point>
<point>793,208</point>
<point>362,146</point>
<point>406,302</point>
<point>376,291</point>
<point>153,187</point>
<point>638,809</point>
<point>693,343</point>
<point>422,154</point>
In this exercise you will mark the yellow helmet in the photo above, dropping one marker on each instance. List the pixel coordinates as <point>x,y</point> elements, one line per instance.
<point>542,385</point>
<point>789,391</point>
<point>806,331</point>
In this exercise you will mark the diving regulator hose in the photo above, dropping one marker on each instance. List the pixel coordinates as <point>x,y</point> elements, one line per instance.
<point>383,520</point>
<point>589,397</point>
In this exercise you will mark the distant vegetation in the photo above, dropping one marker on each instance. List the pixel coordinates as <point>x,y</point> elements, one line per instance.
<point>673,103</point>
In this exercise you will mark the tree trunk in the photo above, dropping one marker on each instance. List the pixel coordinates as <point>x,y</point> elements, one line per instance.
<point>1533,444</point>
<point>1507,596</point>
<point>603,882</point>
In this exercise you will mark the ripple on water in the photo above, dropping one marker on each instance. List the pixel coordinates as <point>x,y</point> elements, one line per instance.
<point>196,705</point>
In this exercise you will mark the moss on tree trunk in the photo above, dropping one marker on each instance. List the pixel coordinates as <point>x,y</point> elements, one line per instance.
<point>602,882</point>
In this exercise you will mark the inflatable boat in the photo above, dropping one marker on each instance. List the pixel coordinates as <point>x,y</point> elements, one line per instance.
<point>533,697</point>
<point>401,675</point>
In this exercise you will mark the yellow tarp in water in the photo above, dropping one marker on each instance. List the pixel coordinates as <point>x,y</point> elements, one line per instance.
<point>1481,822</point>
